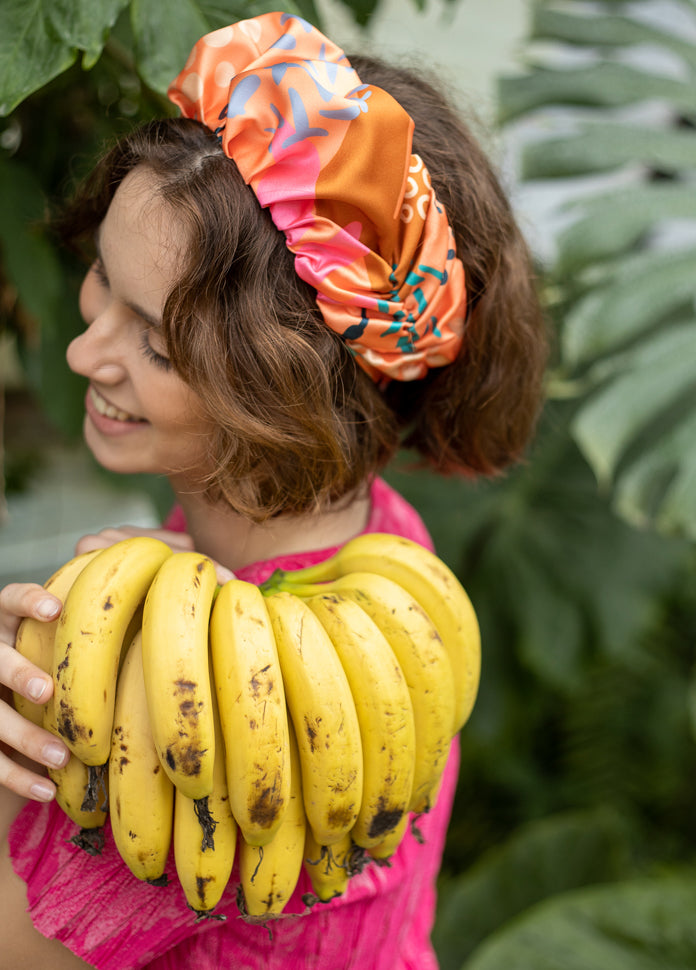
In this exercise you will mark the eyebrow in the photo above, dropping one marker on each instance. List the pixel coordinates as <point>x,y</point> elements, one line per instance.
<point>153,322</point>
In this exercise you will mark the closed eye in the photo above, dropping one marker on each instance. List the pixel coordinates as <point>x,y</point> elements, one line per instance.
<point>150,354</point>
<point>97,268</point>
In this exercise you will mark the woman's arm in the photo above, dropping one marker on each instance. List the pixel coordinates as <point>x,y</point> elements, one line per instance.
<point>21,945</point>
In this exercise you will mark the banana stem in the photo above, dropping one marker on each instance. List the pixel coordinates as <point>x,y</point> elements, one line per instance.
<point>96,783</point>
<point>206,822</point>
<point>292,582</point>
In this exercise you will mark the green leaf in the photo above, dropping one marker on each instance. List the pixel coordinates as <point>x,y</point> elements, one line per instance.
<point>362,10</point>
<point>541,859</point>
<point>601,84</point>
<point>659,486</point>
<point>642,290</point>
<point>605,30</point>
<point>40,39</point>
<point>550,624</point>
<point>28,259</point>
<point>642,924</point>
<point>556,578</point>
<point>652,377</point>
<point>610,223</point>
<point>691,703</point>
<point>182,23</point>
<point>601,146</point>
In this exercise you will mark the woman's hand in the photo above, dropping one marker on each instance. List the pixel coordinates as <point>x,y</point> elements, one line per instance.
<point>178,541</point>
<point>25,747</point>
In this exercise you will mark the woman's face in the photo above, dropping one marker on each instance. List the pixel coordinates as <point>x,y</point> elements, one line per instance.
<point>140,415</point>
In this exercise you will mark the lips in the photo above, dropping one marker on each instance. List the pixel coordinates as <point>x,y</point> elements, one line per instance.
<point>108,410</point>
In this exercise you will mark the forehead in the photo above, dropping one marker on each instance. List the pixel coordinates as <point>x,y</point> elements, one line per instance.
<point>140,233</point>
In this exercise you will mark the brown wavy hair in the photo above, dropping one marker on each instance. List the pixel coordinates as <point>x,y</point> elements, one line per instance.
<point>299,425</point>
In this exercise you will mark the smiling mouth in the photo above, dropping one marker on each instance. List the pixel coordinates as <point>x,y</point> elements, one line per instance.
<point>110,411</point>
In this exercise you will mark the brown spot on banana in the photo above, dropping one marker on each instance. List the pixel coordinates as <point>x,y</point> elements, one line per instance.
<point>311,732</point>
<point>340,817</point>
<point>385,819</point>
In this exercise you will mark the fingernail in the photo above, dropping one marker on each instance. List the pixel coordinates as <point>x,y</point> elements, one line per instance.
<point>224,574</point>
<point>42,791</point>
<point>55,755</point>
<point>36,688</point>
<point>47,609</point>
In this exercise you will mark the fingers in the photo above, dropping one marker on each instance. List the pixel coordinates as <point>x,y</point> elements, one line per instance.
<point>22,741</point>
<point>18,600</point>
<point>179,541</point>
<point>20,675</point>
<point>20,780</point>
<point>223,573</point>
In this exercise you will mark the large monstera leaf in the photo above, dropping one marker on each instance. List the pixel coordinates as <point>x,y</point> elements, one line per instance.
<point>609,95</point>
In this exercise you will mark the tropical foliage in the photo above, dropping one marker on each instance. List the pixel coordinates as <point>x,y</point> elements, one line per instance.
<point>573,840</point>
<point>625,267</point>
<point>573,843</point>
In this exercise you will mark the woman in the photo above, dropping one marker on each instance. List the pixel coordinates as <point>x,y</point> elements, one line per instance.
<point>299,277</point>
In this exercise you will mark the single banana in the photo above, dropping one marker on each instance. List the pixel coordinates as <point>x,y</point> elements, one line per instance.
<point>77,787</point>
<point>269,873</point>
<point>425,664</point>
<point>89,638</point>
<point>177,670</point>
<point>330,867</point>
<point>432,583</point>
<point>383,852</point>
<point>205,842</point>
<point>81,791</point>
<point>251,698</point>
<point>141,796</point>
<point>324,717</point>
<point>35,638</point>
<point>385,714</point>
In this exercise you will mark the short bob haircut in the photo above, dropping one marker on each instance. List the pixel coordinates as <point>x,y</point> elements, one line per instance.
<point>299,425</point>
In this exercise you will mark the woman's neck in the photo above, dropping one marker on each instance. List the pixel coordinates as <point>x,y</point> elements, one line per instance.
<point>235,541</point>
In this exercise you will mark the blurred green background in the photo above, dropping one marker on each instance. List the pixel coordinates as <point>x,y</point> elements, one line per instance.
<point>572,844</point>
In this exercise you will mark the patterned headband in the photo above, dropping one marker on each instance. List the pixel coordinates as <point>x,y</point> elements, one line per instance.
<point>331,159</point>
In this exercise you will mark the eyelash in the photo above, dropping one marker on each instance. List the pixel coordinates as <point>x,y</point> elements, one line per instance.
<point>145,348</point>
<point>99,271</point>
<point>152,355</point>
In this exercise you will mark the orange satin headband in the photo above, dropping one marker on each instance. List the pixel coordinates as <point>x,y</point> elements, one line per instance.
<point>331,159</point>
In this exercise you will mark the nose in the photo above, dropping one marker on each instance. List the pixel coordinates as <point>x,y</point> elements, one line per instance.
<point>98,352</point>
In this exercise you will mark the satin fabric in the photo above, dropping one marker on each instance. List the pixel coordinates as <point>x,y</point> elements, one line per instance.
<point>332,160</point>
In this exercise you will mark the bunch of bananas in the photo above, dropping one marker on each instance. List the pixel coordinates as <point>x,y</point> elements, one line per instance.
<point>300,723</point>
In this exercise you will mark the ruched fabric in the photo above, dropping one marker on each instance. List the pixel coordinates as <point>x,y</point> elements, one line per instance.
<point>331,158</point>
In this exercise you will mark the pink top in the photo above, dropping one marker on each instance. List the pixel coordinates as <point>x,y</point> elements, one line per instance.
<point>113,921</point>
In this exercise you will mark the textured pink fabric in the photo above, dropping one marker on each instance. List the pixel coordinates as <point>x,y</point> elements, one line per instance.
<point>114,922</point>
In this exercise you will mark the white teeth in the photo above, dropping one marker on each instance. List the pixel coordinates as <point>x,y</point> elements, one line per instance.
<point>108,410</point>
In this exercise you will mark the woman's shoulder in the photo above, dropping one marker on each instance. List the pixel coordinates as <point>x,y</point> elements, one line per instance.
<point>392,513</point>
